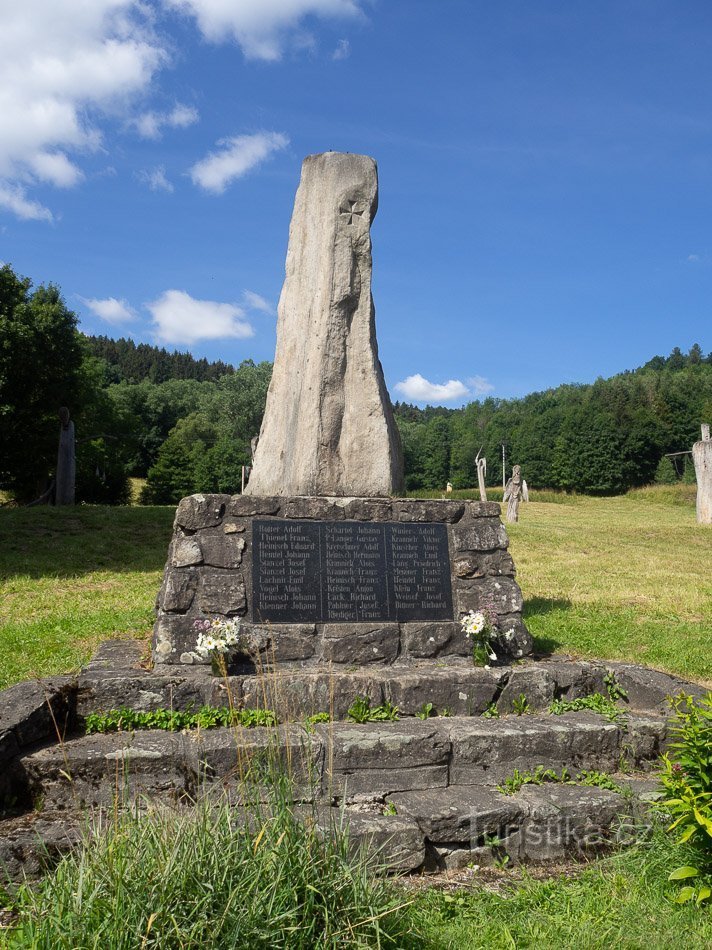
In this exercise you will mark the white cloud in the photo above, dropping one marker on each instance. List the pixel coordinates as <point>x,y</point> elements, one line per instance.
<point>342,51</point>
<point>62,65</point>
<point>693,258</point>
<point>254,301</point>
<point>236,158</point>
<point>418,388</point>
<point>180,318</point>
<point>479,385</point>
<point>110,309</point>
<point>260,27</point>
<point>150,125</point>
<point>14,199</point>
<point>155,178</point>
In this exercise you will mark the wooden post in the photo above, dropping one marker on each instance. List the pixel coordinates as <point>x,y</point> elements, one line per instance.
<point>66,462</point>
<point>702,457</point>
<point>481,464</point>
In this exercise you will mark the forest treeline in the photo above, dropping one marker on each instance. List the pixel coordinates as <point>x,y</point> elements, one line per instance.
<point>185,425</point>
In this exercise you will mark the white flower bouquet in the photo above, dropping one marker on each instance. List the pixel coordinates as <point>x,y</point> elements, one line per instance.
<point>216,638</point>
<point>480,627</point>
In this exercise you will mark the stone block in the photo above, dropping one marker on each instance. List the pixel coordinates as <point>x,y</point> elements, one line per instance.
<point>404,744</point>
<point>481,564</point>
<point>645,736</point>
<point>178,590</point>
<point>486,751</point>
<point>567,820</point>
<point>576,678</point>
<point>650,689</point>
<point>186,552</point>
<point>201,511</point>
<point>141,690</point>
<point>502,592</point>
<point>237,754</point>
<point>462,692</point>
<point>427,510</point>
<point>98,770</point>
<point>34,711</point>
<point>173,636</point>
<point>535,684</point>
<point>482,509</point>
<point>221,549</point>
<point>243,506</point>
<point>222,593</point>
<point>358,644</point>
<point>369,509</point>
<point>396,843</point>
<point>485,534</point>
<point>233,527</point>
<point>340,782</point>
<point>294,694</point>
<point>461,814</point>
<point>427,640</point>
<point>313,508</point>
<point>513,640</point>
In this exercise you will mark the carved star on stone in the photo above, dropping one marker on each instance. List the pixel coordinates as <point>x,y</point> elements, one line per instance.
<point>349,211</point>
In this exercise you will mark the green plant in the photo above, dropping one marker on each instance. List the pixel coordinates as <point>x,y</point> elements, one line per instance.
<point>318,717</point>
<point>491,712</point>
<point>425,711</point>
<point>520,705</point>
<point>446,712</point>
<point>593,778</point>
<point>390,809</point>
<point>613,688</point>
<point>361,711</point>
<point>595,702</point>
<point>517,780</point>
<point>686,778</point>
<point>171,720</point>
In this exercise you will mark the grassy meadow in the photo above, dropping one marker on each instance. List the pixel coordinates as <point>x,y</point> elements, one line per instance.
<point>621,578</point>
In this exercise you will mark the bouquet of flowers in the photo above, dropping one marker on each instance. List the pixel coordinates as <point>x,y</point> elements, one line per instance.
<point>216,638</point>
<point>481,628</point>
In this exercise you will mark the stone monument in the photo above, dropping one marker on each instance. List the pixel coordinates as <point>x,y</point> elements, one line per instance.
<point>328,427</point>
<point>324,566</point>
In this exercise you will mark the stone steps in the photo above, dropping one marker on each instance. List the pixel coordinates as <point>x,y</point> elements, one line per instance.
<point>115,678</point>
<point>439,775</point>
<point>333,759</point>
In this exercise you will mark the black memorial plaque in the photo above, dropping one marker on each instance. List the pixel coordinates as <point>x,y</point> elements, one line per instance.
<point>349,572</point>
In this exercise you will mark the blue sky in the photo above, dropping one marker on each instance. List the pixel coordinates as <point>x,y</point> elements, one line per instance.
<point>545,169</point>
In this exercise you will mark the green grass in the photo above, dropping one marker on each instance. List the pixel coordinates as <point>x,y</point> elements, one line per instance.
<point>626,578</point>
<point>70,578</point>
<point>622,902</point>
<point>212,877</point>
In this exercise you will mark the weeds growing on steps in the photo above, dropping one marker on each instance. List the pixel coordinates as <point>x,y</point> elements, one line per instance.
<point>214,876</point>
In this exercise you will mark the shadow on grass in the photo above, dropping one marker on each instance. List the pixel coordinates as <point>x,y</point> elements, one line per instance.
<point>536,606</point>
<point>544,643</point>
<point>65,542</point>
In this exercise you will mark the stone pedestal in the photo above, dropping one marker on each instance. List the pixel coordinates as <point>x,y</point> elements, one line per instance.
<point>331,581</point>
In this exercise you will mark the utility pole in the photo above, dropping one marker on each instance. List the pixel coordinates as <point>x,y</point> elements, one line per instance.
<point>504,476</point>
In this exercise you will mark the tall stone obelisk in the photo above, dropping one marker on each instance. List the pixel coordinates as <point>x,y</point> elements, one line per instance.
<point>328,427</point>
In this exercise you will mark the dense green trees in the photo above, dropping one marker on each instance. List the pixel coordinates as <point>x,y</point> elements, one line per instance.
<point>600,439</point>
<point>206,450</point>
<point>186,424</point>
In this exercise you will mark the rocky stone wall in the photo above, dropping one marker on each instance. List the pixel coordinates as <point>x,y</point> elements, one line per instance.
<point>209,573</point>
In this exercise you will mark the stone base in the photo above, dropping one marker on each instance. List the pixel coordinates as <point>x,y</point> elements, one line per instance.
<point>209,573</point>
